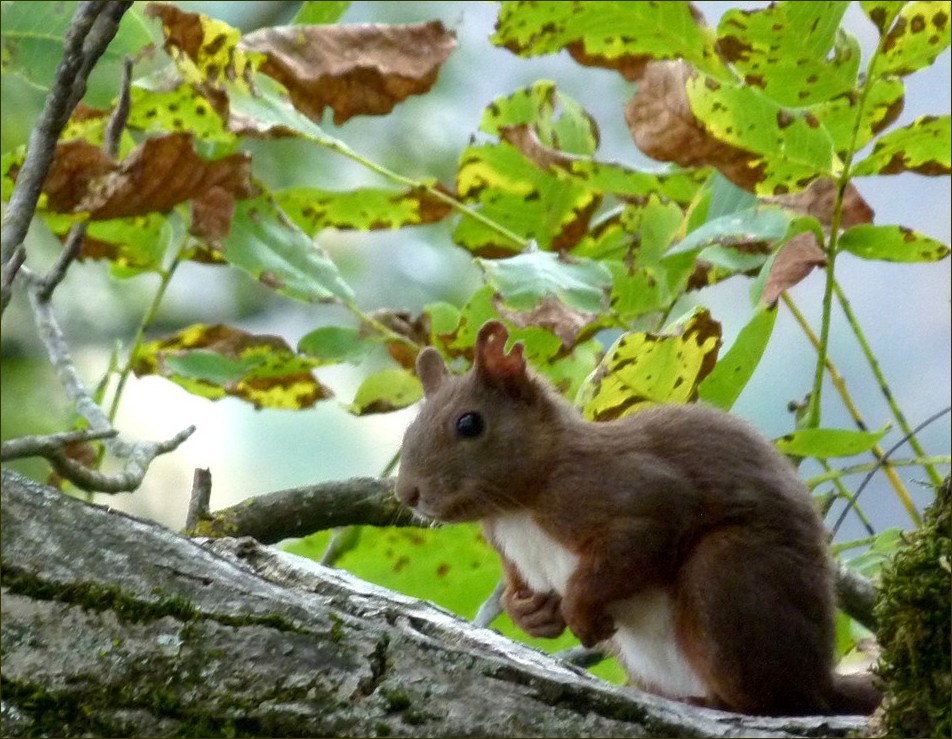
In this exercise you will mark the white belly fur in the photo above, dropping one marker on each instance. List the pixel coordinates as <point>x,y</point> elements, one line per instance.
<point>645,640</point>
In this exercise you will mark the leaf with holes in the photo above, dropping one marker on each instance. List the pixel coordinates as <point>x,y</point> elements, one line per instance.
<point>642,367</point>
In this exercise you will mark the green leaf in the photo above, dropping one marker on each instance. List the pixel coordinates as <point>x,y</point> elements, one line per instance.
<point>131,245</point>
<point>760,225</point>
<point>733,371</point>
<point>618,36</point>
<point>511,191</point>
<point>525,279</point>
<point>558,120</point>
<point>32,43</point>
<point>451,565</point>
<point>334,344</point>
<point>924,146</point>
<point>792,148</point>
<point>180,109</point>
<point>881,551</point>
<point>608,177</point>
<point>882,12</point>
<point>917,36</point>
<point>637,290</point>
<point>881,106</point>
<point>363,209</point>
<point>265,244</point>
<point>892,244</point>
<point>785,50</point>
<point>385,391</point>
<point>218,361</point>
<point>320,12</point>
<point>645,367</point>
<point>824,443</point>
<point>444,318</point>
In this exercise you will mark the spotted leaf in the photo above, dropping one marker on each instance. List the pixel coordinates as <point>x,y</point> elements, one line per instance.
<point>643,367</point>
<point>218,361</point>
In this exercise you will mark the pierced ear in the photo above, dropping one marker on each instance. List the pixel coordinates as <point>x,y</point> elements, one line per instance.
<point>431,370</point>
<point>494,366</point>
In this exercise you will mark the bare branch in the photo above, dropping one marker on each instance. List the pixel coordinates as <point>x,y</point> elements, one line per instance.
<point>856,595</point>
<point>137,456</point>
<point>46,446</point>
<point>201,495</point>
<point>302,511</point>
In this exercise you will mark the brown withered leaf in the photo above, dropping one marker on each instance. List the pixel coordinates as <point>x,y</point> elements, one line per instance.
<point>154,177</point>
<point>212,212</point>
<point>661,123</point>
<point>818,201</point>
<point>568,324</point>
<point>76,165</point>
<point>354,70</point>
<point>795,260</point>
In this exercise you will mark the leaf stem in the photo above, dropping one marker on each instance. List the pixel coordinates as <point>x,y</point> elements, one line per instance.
<point>144,324</point>
<point>840,385</point>
<point>343,149</point>
<point>934,476</point>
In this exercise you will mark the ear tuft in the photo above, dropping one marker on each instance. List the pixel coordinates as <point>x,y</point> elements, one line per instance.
<point>430,369</point>
<point>494,366</point>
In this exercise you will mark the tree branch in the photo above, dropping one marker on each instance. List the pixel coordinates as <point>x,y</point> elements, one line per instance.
<point>301,511</point>
<point>113,626</point>
<point>46,446</point>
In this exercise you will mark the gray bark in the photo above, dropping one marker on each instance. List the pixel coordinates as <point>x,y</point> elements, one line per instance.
<point>118,627</point>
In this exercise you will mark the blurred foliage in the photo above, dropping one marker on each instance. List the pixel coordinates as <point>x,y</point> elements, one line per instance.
<point>760,126</point>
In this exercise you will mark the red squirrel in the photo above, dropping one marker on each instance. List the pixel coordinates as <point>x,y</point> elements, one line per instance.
<point>677,534</point>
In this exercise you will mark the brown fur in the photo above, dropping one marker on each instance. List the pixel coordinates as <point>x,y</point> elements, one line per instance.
<point>681,498</point>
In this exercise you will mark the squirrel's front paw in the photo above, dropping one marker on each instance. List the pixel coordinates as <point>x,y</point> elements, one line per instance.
<point>538,614</point>
<point>590,625</point>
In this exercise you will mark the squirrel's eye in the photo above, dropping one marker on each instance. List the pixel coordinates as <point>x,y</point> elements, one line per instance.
<point>469,425</point>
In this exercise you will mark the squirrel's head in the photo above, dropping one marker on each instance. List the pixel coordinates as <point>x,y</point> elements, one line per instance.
<point>478,446</point>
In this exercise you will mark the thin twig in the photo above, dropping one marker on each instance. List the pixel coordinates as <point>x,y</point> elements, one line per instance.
<point>45,446</point>
<point>851,502</point>
<point>491,608</point>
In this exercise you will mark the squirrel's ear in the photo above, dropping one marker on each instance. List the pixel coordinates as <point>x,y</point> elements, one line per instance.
<point>493,365</point>
<point>430,369</point>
